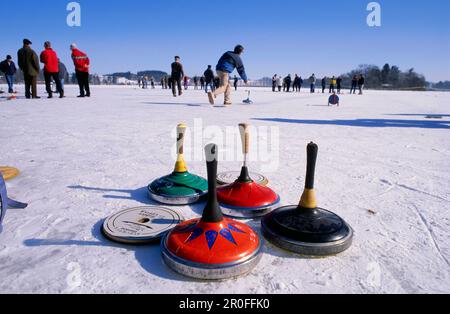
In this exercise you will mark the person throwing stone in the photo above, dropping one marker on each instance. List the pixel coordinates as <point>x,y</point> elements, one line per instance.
<point>230,61</point>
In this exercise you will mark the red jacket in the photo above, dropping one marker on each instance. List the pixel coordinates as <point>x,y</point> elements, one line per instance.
<point>80,60</point>
<point>50,60</point>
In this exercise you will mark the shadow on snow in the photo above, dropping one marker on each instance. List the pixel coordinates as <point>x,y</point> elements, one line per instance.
<point>371,123</point>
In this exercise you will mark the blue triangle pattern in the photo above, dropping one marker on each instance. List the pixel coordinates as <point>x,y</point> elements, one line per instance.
<point>211,237</point>
<point>226,233</point>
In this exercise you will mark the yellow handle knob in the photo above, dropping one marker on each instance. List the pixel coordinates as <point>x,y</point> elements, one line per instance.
<point>180,166</point>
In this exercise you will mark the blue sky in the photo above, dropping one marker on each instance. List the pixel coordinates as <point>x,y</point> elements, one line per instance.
<point>291,36</point>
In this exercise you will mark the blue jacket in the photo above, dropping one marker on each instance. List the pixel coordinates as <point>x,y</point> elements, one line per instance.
<point>230,61</point>
<point>8,69</point>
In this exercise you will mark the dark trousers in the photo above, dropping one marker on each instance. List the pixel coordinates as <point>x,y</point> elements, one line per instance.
<point>176,83</point>
<point>332,88</point>
<point>313,88</point>
<point>30,86</point>
<point>83,83</point>
<point>48,80</point>
<point>339,89</point>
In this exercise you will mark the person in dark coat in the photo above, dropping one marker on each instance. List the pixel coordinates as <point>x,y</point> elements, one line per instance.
<point>9,69</point>
<point>274,83</point>
<point>235,84</point>
<point>62,73</point>
<point>196,79</point>
<point>339,84</point>
<point>324,84</point>
<point>216,82</point>
<point>177,76</point>
<point>312,82</point>
<point>296,84</point>
<point>354,84</point>
<point>209,79</point>
<point>361,82</point>
<point>202,82</point>
<point>288,82</point>
<point>300,83</point>
<point>29,64</point>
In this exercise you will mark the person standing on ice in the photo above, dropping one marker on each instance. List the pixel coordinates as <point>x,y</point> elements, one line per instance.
<point>51,70</point>
<point>167,83</point>
<point>354,84</point>
<point>62,73</point>
<point>230,61</point>
<point>274,83</point>
<point>279,83</point>
<point>82,64</point>
<point>209,79</point>
<point>196,82</point>
<point>176,76</point>
<point>339,84</point>
<point>186,82</point>
<point>288,82</point>
<point>297,83</point>
<point>332,85</point>
<point>202,82</point>
<point>312,82</point>
<point>9,69</point>
<point>361,82</point>
<point>235,83</point>
<point>300,84</point>
<point>29,64</point>
<point>324,84</point>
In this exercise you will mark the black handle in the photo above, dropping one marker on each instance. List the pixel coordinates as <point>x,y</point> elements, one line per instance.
<point>212,212</point>
<point>312,151</point>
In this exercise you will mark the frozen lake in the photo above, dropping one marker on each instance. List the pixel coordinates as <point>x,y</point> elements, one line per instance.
<point>384,166</point>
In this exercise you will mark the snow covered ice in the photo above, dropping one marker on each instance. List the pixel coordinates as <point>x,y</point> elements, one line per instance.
<point>384,166</point>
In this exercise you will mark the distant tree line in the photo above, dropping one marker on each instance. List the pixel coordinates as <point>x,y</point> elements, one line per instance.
<point>157,75</point>
<point>443,85</point>
<point>388,77</point>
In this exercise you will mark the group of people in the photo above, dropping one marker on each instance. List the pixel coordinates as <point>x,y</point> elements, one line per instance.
<point>335,84</point>
<point>279,83</point>
<point>54,70</point>
<point>211,82</point>
<point>143,82</point>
